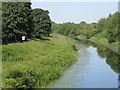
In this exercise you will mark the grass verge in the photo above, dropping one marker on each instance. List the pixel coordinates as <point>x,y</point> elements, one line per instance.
<point>36,63</point>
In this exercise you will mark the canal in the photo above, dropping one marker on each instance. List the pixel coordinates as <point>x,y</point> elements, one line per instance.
<point>96,67</point>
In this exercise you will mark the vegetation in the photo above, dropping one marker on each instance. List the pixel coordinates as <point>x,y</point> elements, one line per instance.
<point>18,19</point>
<point>36,63</point>
<point>106,31</point>
<point>71,29</point>
<point>39,61</point>
<point>108,28</point>
<point>43,58</point>
<point>42,23</point>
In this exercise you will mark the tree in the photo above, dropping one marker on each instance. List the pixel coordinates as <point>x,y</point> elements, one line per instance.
<point>113,31</point>
<point>101,25</point>
<point>42,23</point>
<point>16,21</point>
<point>83,22</point>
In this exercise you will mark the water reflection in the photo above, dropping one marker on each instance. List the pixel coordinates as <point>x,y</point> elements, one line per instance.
<point>112,58</point>
<point>96,67</point>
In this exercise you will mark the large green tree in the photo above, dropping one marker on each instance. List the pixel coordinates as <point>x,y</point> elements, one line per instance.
<point>42,23</point>
<point>17,21</point>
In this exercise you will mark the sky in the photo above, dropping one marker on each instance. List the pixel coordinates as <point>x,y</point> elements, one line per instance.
<point>61,12</point>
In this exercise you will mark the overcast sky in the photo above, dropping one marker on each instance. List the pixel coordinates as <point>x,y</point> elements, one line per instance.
<point>76,12</point>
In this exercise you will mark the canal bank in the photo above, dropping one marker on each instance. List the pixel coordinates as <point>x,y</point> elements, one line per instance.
<point>93,69</point>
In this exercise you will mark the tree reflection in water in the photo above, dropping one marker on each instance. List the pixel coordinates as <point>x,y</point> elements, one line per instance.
<point>112,58</point>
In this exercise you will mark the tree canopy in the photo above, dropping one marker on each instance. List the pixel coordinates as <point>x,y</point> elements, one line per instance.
<point>42,23</point>
<point>16,21</point>
<point>107,28</point>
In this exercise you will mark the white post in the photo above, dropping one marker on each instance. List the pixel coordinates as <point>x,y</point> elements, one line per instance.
<point>23,38</point>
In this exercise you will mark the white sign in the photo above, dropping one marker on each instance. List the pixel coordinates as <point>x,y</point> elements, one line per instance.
<point>23,37</point>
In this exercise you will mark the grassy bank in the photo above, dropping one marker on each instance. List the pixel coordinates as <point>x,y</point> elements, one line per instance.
<point>114,46</point>
<point>103,41</point>
<point>36,63</point>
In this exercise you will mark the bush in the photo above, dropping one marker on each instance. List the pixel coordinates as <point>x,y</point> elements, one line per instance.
<point>21,78</point>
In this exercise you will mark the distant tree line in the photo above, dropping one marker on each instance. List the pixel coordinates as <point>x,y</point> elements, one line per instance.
<point>73,30</point>
<point>18,19</point>
<point>108,28</point>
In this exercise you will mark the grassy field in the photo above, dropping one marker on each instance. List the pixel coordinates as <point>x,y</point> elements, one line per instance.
<point>36,63</point>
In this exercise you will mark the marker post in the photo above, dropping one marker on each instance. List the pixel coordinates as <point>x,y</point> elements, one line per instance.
<point>23,38</point>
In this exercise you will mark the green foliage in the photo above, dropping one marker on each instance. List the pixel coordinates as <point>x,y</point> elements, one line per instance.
<point>101,25</point>
<point>73,30</point>
<point>81,37</point>
<point>21,78</point>
<point>25,66</point>
<point>108,32</point>
<point>112,28</point>
<point>82,22</point>
<point>16,21</point>
<point>107,29</point>
<point>100,39</point>
<point>42,23</point>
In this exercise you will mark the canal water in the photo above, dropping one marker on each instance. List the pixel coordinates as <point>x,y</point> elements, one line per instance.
<point>96,67</point>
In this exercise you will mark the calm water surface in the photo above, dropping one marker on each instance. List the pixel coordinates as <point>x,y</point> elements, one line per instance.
<point>95,68</point>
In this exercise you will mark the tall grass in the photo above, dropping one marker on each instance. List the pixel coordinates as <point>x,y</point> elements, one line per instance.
<point>36,63</point>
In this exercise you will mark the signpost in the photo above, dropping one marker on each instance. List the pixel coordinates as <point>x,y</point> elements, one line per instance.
<point>23,38</point>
